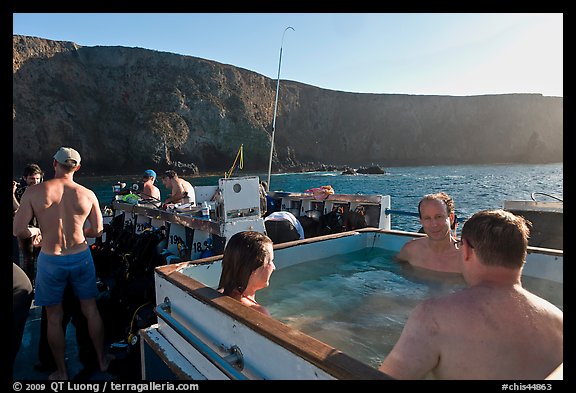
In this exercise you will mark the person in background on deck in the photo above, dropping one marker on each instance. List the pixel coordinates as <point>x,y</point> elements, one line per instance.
<point>494,329</point>
<point>62,208</point>
<point>437,251</point>
<point>247,265</point>
<point>32,175</point>
<point>182,190</point>
<point>149,189</point>
<point>263,188</point>
<point>270,202</point>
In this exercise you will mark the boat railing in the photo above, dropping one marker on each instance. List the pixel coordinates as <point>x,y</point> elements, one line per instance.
<point>191,218</point>
<point>533,196</point>
<point>413,214</point>
<point>401,212</point>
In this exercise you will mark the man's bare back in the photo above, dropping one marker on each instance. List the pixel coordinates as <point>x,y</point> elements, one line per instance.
<point>150,190</point>
<point>185,187</point>
<point>475,334</point>
<point>61,207</point>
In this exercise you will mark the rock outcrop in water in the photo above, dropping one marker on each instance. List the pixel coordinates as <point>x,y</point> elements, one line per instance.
<point>126,109</point>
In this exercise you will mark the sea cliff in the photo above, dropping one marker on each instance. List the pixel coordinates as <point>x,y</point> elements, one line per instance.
<point>126,109</point>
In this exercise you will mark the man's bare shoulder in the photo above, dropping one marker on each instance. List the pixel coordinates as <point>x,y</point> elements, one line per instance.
<point>542,304</point>
<point>441,309</point>
<point>460,304</point>
<point>33,192</point>
<point>416,243</point>
<point>82,188</point>
<point>428,317</point>
<point>91,195</point>
<point>410,249</point>
<point>79,189</point>
<point>34,188</point>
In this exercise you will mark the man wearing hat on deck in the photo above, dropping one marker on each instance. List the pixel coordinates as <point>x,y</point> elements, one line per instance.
<point>63,208</point>
<point>149,189</point>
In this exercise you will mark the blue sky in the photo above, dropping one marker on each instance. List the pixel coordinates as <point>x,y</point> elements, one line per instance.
<point>391,53</point>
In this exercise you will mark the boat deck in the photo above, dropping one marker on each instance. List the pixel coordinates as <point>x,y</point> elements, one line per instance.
<point>27,357</point>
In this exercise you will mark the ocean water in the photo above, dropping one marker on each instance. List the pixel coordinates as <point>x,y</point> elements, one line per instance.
<point>473,187</point>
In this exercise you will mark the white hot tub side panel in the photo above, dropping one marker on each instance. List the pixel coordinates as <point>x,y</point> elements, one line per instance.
<point>220,331</point>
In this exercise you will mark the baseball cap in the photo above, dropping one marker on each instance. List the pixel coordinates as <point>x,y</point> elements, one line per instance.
<point>66,154</point>
<point>150,173</point>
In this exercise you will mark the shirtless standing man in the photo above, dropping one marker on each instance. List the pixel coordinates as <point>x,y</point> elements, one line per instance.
<point>494,329</point>
<point>182,190</point>
<point>437,251</point>
<point>62,207</point>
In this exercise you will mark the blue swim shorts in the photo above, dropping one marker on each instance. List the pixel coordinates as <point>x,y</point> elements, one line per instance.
<point>55,271</point>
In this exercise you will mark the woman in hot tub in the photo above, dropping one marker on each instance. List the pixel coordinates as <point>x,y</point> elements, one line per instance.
<point>247,265</point>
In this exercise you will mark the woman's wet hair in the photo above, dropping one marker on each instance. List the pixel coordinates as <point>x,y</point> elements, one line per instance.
<point>244,253</point>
